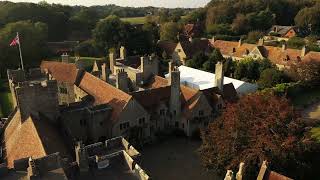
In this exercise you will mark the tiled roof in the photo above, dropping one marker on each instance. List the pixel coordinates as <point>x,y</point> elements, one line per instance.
<point>275,54</point>
<point>196,46</point>
<point>282,30</point>
<point>64,72</point>
<point>33,137</point>
<point>105,93</point>
<point>275,176</point>
<point>151,98</point>
<point>156,82</point>
<point>167,46</point>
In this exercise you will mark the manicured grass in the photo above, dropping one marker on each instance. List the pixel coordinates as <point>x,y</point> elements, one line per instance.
<point>315,133</point>
<point>306,98</point>
<point>135,20</point>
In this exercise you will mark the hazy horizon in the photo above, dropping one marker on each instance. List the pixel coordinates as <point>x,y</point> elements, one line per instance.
<point>131,3</point>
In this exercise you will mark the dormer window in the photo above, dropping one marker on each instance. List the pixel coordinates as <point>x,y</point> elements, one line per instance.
<point>233,50</point>
<point>298,58</point>
<point>247,52</point>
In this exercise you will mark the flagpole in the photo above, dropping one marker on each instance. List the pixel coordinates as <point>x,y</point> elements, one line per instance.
<point>20,52</point>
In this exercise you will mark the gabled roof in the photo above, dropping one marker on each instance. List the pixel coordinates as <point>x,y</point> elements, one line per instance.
<point>272,175</point>
<point>63,72</point>
<point>151,98</point>
<point>191,30</point>
<point>156,82</point>
<point>282,30</point>
<point>32,137</point>
<point>104,93</point>
<point>196,46</point>
<point>167,46</point>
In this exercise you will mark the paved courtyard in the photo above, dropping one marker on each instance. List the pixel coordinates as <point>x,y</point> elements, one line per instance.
<point>175,159</point>
<point>313,111</point>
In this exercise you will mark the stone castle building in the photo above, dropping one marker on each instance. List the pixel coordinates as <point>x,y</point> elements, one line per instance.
<point>59,105</point>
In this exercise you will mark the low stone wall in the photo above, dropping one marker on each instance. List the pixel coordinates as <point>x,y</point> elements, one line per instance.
<point>48,163</point>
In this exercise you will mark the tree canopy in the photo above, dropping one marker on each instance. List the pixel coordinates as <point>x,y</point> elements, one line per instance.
<point>260,127</point>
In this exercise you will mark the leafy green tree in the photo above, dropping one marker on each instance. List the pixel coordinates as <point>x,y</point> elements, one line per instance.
<point>214,29</point>
<point>214,57</point>
<point>197,60</point>
<point>308,18</point>
<point>271,77</point>
<point>33,38</point>
<point>169,31</point>
<point>262,20</point>
<point>111,32</point>
<point>254,36</point>
<point>240,24</point>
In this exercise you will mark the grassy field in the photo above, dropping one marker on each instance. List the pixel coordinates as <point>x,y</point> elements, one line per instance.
<point>5,99</point>
<point>135,20</point>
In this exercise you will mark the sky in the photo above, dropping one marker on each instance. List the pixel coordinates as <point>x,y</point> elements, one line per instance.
<point>132,3</point>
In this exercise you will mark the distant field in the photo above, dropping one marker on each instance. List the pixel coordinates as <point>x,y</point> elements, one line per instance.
<point>135,20</point>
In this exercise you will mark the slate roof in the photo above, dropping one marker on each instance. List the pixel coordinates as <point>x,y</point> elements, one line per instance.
<point>33,137</point>
<point>63,72</point>
<point>104,93</point>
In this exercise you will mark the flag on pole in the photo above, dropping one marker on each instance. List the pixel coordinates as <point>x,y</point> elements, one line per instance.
<point>15,41</point>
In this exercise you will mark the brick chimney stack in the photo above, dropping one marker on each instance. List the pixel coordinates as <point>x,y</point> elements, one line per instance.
<point>175,102</point>
<point>122,80</point>
<point>65,58</point>
<point>112,59</point>
<point>123,52</point>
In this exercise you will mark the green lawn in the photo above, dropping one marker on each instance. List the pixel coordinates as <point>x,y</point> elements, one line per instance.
<point>306,98</point>
<point>135,20</point>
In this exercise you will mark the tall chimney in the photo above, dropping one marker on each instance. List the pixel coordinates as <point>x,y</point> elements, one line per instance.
<point>303,51</point>
<point>261,42</point>
<point>123,52</point>
<point>175,102</point>
<point>284,47</point>
<point>240,42</point>
<point>219,76</point>
<point>122,80</point>
<point>112,59</point>
<point>82,157</point>
<point>105,72</point>
<point>65,58</point>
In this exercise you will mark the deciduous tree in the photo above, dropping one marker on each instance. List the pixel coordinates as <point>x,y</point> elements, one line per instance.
<point>260,127</point>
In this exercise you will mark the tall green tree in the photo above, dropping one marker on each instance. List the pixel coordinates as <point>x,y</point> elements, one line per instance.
<point>111,32</point>
<point>33,38</point>
<point>169,31</point>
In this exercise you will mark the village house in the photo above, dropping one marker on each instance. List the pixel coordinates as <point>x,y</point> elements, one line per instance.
<point>281,33</point>
<point>185,50</point>
<point>282,57</point>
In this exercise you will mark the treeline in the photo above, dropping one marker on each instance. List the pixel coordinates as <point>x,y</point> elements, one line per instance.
<point>239,17</point>
<point>98,28</point>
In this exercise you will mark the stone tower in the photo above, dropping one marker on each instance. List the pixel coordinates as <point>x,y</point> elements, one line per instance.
<point>82,157</point>
<point>219,75</point>
<point>122,80</point>
<point>123,52</point>
<point>175,101</point>
<point>112,59</point>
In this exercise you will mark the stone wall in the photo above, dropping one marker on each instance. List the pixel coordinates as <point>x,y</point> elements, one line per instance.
<point>37,98</point>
